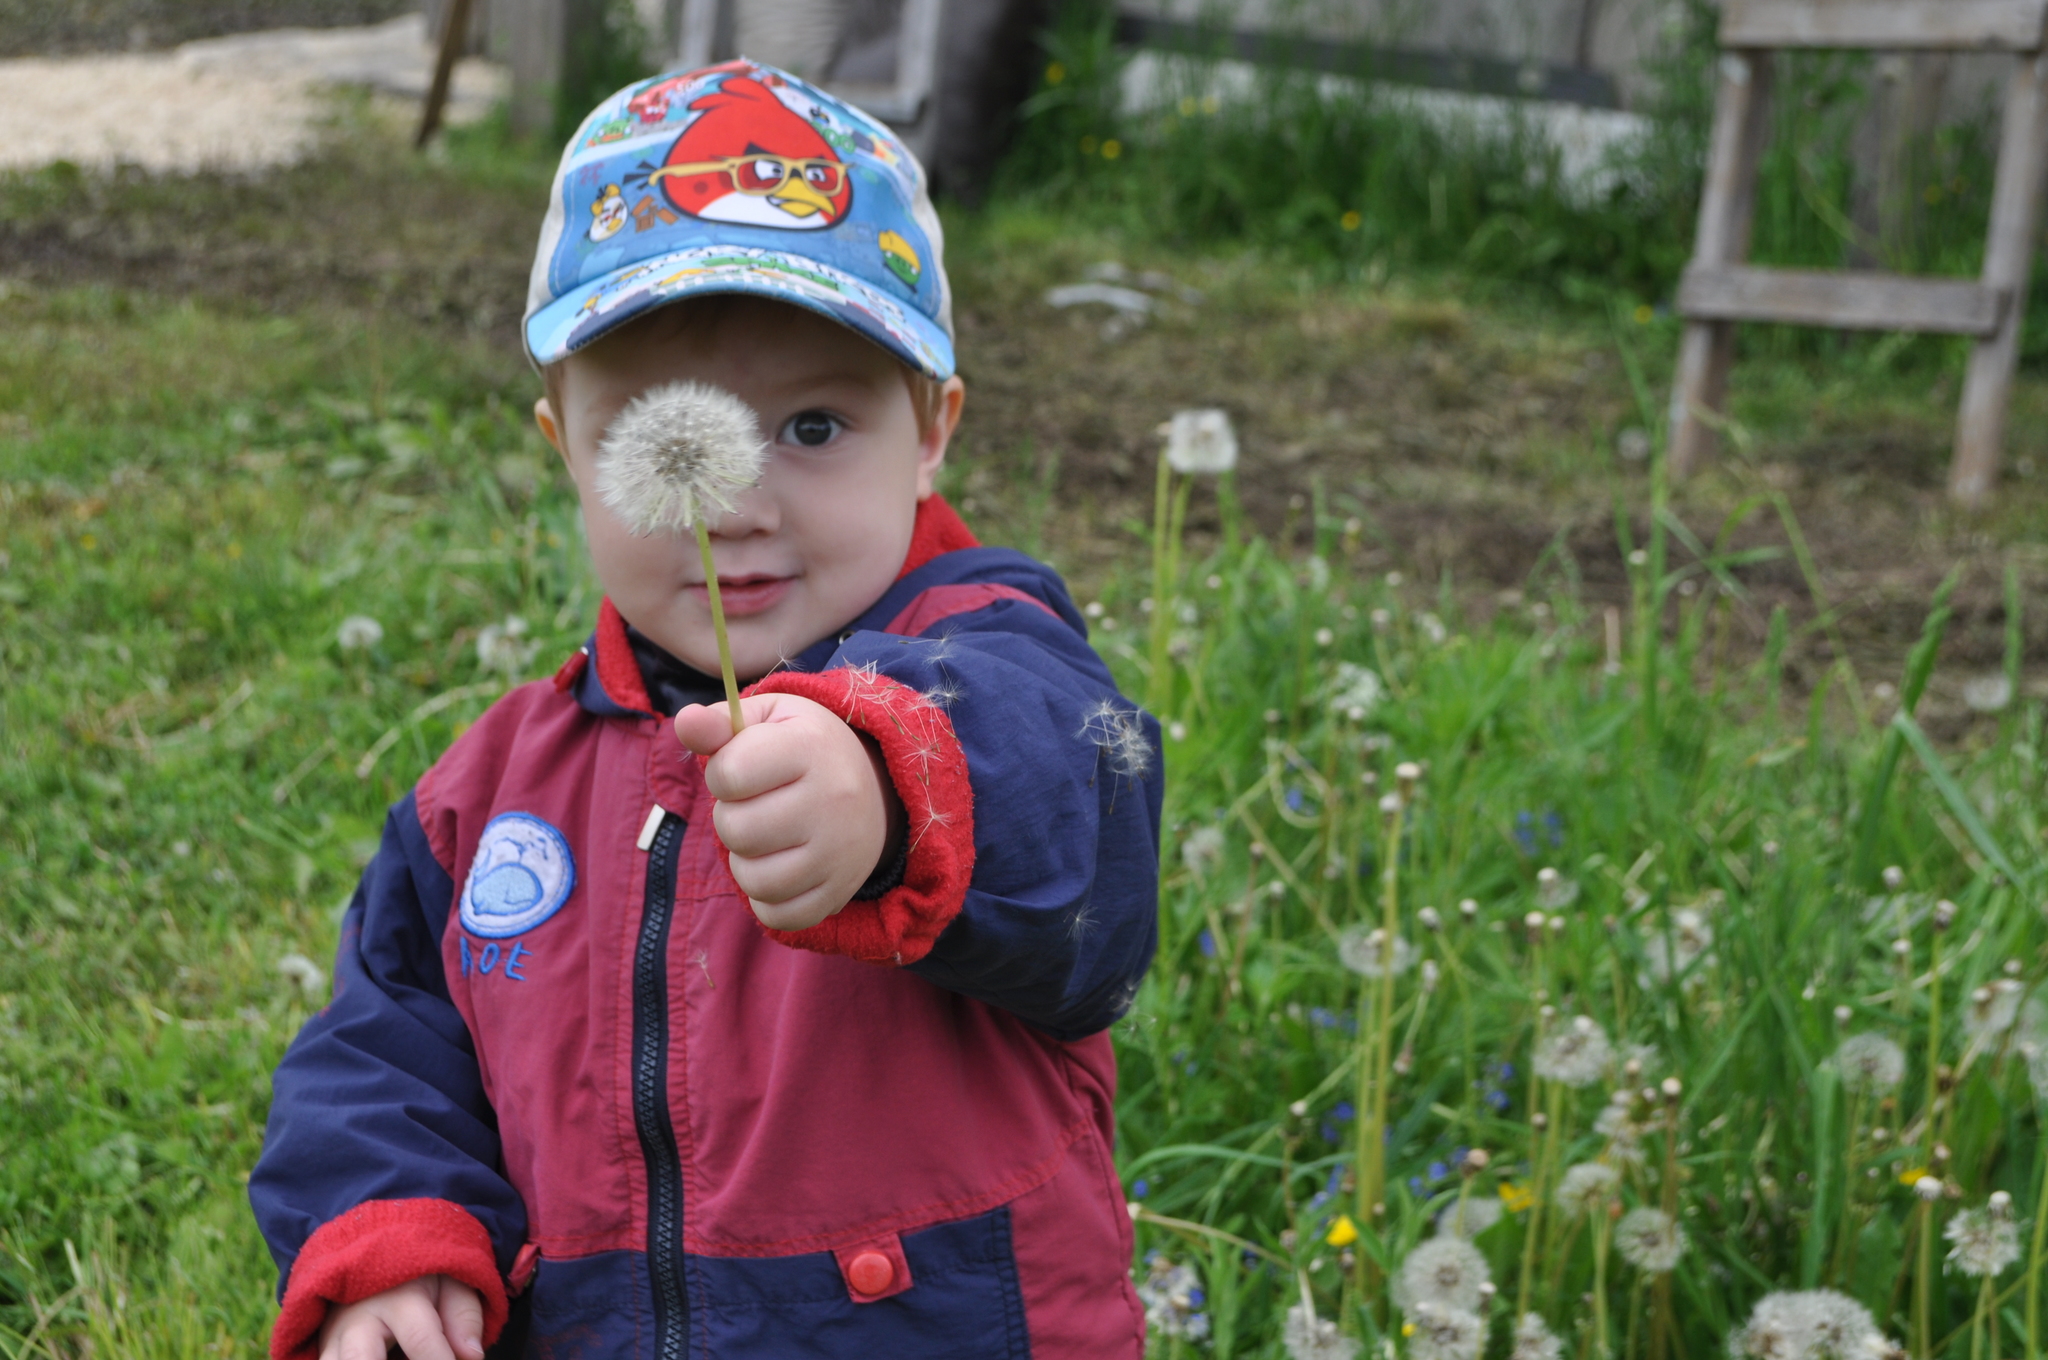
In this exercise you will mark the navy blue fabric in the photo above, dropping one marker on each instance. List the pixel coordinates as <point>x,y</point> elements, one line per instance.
<point>964,1301</point>
<point>387,1066</point>
<point>1061,919</point>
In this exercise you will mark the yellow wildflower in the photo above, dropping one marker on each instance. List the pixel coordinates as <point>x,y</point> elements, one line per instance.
<point>1343,1232</point>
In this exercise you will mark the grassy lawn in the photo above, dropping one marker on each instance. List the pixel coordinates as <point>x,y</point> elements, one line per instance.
<point>234,414</point>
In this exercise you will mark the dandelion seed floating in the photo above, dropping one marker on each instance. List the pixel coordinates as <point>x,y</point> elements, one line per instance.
<point>670,457</point>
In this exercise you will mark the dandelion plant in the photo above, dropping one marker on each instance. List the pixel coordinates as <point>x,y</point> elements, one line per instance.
<point>675,453</point>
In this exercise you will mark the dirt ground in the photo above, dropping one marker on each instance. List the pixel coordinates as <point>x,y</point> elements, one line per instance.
<point>1479,439</point>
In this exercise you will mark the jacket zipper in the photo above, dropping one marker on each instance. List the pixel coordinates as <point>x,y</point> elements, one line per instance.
<point>650,1093</point>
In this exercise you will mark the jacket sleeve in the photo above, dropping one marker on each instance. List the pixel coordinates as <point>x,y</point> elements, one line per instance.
<point>1032,791</point>
<point>381,1161</point>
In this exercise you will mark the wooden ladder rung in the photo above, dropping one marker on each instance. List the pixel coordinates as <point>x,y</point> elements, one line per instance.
<point>1842,299</point>
<point>1996,25</point>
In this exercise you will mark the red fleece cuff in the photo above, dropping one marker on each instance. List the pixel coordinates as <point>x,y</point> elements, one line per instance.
<point>929,770</point>
<point>378,1246</point>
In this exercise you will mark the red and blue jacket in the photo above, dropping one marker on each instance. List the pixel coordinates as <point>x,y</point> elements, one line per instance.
<point>565,1065</point>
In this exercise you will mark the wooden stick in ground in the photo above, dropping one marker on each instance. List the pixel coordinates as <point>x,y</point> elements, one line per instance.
<point>454,34</point>
<point>732,686</point>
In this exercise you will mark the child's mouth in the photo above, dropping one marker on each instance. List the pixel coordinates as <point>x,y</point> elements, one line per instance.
<point>744,595</point>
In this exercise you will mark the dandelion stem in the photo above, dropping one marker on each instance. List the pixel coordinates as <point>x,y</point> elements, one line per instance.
<point>1603,1228</point>
<point>1157,688</point>
<point>1923,1284</point>
<point>2040,1240</point>
<point>732,686</point>
<point>1977,1321</point>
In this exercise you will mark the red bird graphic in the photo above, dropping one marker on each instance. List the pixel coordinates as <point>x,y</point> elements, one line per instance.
<point>749,159</point>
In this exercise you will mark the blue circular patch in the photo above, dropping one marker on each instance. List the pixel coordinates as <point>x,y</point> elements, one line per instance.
<point>522,874</point>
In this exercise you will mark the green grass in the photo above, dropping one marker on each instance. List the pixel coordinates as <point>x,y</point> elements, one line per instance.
<point>194,496</point>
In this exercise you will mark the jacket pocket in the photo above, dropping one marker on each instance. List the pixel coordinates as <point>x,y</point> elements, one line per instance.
<point>963,1300</point>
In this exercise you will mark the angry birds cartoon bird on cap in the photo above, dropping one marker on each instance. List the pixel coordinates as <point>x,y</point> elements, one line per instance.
<point>751,160</point>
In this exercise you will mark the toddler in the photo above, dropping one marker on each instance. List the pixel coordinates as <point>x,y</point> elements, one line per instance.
<point>653,1040</point>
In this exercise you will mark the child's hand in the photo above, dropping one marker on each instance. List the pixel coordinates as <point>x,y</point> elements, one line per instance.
<point>431,1318</point>
<point>804,804</point>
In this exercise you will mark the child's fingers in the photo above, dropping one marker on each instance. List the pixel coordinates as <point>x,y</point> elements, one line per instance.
<point>799,913</point>
<point>462,1319</point>
<point>777,878</point>
<point>704,728</point>
<point>364,1338</point>
<point>416,1329</point>
<point>779,819</point>
<point>758,760</point>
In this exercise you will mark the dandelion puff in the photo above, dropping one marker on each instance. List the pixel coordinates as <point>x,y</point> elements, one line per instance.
<point>1365,952</point>
<point>1650,1240</point>
<point>1534,1340</point>
<point>304,974</point>
<point>499,648</point>
<point>1442,1272</point>
<point>1811,1324</point>
<point>1586,1187</point>
<point>1993,1009</point>
<point>675,452</point>
<point>358,633</point>
<point>1202,850</point>
<point>1172,1295</point>
<point>1618,1125</point>
<point>1469,1217</point>
<point>1201,443</point>
<point>1870,1064</point>
<point>1355,691</point>
<point>1554,891</point>
<point>1308,1337</point>
<point>1673,955</point>
<point>1577,1055</point>
<point>1986,1240</point>
<point>1445,1333</point>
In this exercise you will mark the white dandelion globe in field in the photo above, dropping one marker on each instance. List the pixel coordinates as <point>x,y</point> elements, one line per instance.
<point>1172,1295</point>
<point>1442,1333</point>
<point>1469,1216</point>
<point>1356,690</point>
<point>1986,1241</point>
<point>1201,443</point>
<point>676,452</point>
<point>1672,954</point>
<point>1650,1240</point>
<point>1442,1272</point>
<point>1534,1340</point>
<point>1554,891</point>
<point>358,633</point>
<point>1870,1064</point>
<point>1364,951</point>
<point>1202,850</point>
<point>1993,1008</point>
<point>1810,1324</point>
<point>1618,1125</point>
<point>1577,1055</point>
<point>1586,1187</point>
<point>1308,1337</point>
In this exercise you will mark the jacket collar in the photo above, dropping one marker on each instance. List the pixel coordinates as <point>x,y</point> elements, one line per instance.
<point>614,686</point>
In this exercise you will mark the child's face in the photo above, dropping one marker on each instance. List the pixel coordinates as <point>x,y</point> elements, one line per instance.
<point>826,530</point>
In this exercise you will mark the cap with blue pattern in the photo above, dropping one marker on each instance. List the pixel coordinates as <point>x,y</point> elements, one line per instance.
<point>740,178</point>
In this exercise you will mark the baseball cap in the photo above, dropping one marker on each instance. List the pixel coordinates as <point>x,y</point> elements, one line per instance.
<point>739,178</point>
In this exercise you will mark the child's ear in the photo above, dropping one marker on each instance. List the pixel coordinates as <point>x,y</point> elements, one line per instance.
<point>550,428</point>
<point>931,453</point>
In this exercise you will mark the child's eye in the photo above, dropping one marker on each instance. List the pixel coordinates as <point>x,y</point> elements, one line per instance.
<point>810,428</point>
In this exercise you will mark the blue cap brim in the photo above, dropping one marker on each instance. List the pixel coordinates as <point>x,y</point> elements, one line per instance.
<point>583,315</point>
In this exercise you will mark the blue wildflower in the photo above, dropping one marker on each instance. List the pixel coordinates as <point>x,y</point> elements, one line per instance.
<point>1294,800</point>
<point>1139,1189</point>
<point>1208,944</point>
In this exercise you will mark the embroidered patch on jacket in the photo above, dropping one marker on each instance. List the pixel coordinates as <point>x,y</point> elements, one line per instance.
<point>522,874</point>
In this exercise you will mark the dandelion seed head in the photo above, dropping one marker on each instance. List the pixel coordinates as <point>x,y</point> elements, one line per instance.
<point>1673,954</point>
<point>1578,1055</point>
<point>1442,1272</point>
<point>1443,1333</point>
<point>674,453</point>
<point>1308,1337</point>
<point>1172,1295</point>
<point>1364,951</point>
<point>499,646</point>
<point>1202,850</point>
<point>358,633</point>
<point>1469,1216</point>
<point>1984,1241</point>
<point>1585,1187</point>
<point>1554,891</point>
<point>1533,1340</point>
<point>1870,1064</point>
<point>1650,1240</point>
<point>1812,1324</point>
<point>1201,443</point>
<point>1618,1125</point>
<point>303,973</point>
<point>1993,1008</point>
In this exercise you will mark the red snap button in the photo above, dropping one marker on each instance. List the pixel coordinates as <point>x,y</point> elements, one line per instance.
<point>870,1273</point>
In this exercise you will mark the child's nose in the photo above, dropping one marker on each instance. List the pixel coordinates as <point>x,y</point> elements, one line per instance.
<point>755,512</point>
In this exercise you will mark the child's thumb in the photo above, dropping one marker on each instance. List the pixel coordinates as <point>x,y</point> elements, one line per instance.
<point>704,728</point>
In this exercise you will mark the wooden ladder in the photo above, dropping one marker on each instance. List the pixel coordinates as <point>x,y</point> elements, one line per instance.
<point>1720,288</point>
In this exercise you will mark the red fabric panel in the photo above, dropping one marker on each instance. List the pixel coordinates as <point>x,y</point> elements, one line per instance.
<point>617,670</point>
<point>378,1246</point>
<point>929,770</point>
<point>943,602</point>
<point>1072,1240</point>
<point>938,530</point>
